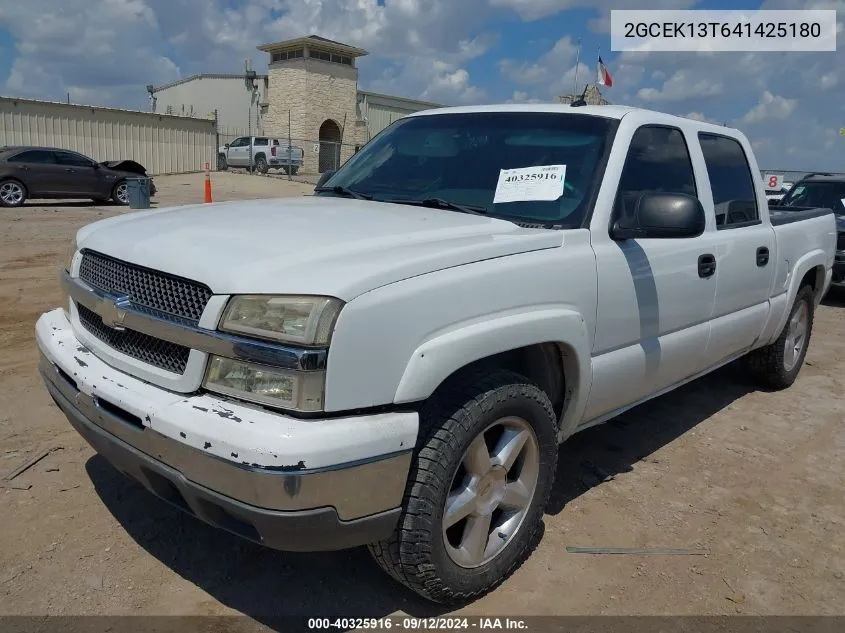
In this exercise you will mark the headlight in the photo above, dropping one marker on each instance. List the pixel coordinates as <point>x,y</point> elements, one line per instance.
<point>300,391</point>
<point>302,320</point>
<point>71,253</point>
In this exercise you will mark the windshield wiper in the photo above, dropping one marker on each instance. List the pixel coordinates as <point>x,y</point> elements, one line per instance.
<point>345,191</point>
<point>440,203</point>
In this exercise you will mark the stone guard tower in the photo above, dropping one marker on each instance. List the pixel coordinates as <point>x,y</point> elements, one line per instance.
<point>316,80</point>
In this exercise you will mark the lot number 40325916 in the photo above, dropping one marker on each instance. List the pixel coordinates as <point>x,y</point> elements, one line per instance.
<point>533,177</point>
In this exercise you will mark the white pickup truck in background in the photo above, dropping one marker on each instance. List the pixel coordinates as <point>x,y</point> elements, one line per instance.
<point>395,360</point>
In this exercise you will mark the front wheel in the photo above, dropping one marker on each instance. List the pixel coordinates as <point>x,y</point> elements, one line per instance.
<point>776,366</point>
<point>12,193</point>
<point>478,487</point>
<point>120,194</point>
<point>222,164</point>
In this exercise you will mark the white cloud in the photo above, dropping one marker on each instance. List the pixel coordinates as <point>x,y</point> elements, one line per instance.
<point>545,68</point>
<point>683,85</point>
<point>530,10</point>
<point>522,97</point>
<point>106,51</point>
<point>770,107</point>
<point>698,116</point>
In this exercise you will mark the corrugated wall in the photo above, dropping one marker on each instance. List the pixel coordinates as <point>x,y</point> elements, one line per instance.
<point>163,144</point>
<point>379,116</point>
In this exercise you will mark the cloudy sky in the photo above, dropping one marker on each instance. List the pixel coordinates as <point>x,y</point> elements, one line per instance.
<point>105,52</point>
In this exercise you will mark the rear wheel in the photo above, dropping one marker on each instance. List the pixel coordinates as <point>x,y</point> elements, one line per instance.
<point>477,490</point>
<point>261,164</point>
<point>777,365</point>
<point>120,193</point>
<point>12,193</point>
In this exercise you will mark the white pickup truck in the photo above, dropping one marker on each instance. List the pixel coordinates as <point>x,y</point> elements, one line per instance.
<point>395,360</point>
<point>267,153</point>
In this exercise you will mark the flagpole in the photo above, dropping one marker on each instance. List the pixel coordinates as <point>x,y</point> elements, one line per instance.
<point>577,60</point>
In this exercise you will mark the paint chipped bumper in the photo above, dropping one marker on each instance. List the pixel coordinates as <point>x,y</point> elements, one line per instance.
<point>287,483</point>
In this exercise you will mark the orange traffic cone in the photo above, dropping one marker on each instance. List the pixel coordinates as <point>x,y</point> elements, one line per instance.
<point>207,184</point>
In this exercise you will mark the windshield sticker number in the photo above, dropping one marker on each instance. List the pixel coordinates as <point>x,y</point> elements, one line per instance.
<point>527,184</point>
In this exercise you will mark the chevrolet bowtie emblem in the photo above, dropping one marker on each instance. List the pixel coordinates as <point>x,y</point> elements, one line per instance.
<point>114,311</point>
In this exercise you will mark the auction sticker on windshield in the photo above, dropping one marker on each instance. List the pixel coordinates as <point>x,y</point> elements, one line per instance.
<point>526,184</point>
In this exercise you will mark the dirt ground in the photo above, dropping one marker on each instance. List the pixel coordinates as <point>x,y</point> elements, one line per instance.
<point>756,479</point>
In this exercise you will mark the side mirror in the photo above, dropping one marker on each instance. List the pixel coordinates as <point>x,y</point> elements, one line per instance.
<point>323,178</point>
<point>226,146</point>
<point>662,215</point>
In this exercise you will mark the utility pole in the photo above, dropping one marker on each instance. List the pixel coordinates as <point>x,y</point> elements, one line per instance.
<point>290,150</point>
<point>577,60</point>
<point>249,78</point>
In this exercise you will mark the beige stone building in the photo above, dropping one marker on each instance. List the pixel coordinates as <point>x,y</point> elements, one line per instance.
<point>313,96</point>
<point>310,91</point>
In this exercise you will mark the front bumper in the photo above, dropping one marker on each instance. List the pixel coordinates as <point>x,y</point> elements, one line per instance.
<point>288,507</point>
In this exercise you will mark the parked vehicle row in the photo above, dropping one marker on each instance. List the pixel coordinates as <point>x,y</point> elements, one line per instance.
<point>395,360</point>
<point>821,190</point>
<point>53,173</point>
<point>267,153</point>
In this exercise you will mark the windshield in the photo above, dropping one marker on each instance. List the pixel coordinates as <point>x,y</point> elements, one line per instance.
<point>460,158</point>
<point>829,195</point>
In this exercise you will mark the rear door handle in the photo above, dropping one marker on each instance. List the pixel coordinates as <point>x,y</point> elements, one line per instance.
<point>706,265</point>
<point>73,171</point>
<point>762,256</point>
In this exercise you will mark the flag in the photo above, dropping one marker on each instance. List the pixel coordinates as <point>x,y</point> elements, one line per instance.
<point>604,78</point>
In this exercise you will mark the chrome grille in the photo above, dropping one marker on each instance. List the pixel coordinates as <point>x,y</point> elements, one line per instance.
<point>162,354</point>
<point>162,294</point>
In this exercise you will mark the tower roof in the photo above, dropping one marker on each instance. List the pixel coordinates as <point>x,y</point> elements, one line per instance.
<point>314,41</point>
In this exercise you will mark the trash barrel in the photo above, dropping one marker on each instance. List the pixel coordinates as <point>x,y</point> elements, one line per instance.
<point>138,192</point>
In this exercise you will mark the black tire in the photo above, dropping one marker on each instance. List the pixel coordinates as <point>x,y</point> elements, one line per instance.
<point>771,365</point>
<point>261,165</point>
<point>120,193</point>
<point>416,554</point>
<point>294,169</point>
<point>222,164</point>
<point>12,193</point>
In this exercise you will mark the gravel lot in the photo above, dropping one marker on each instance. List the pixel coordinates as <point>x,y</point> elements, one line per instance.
<point>754,478</point>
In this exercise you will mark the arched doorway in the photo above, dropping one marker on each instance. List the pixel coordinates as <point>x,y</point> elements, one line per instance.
<point>329,157</point>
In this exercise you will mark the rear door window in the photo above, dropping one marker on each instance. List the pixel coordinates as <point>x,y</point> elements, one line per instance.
<point>44,157</point>
<point>734,194</point>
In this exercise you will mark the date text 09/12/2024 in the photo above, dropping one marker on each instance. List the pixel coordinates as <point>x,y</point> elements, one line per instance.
<point>418,624</point>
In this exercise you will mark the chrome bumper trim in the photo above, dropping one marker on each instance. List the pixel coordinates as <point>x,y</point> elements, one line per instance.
<point>118,312</point>
<point>354,489</point>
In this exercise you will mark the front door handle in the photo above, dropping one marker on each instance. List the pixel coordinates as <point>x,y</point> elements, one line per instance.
<point>73,171</point>
<point>706,265</point>
<point>762,256</point>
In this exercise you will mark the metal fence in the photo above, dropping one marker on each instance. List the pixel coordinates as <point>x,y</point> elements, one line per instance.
<point>317,156</point>
<point>164,144</point>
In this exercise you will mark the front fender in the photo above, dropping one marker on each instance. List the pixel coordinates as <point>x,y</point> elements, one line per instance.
<point>446,352</point>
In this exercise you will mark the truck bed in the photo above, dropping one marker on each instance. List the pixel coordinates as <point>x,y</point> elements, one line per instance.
<point>787,215</point>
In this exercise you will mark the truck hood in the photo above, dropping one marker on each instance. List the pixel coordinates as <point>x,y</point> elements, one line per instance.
<point>308,245</point>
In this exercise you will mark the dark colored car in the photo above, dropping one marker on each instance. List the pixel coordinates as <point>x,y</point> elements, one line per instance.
<point>822,190</point>
<point>46,172</point>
